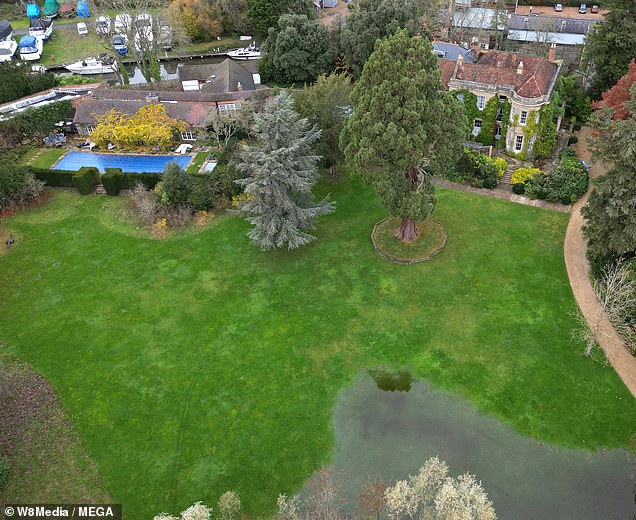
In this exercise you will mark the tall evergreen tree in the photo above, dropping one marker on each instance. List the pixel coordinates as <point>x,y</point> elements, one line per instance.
<point>611,209</point>
<point>299,50</point>
<point>372,20</point>
<point>612,45</point>
<point>403,120</point>
<point>281,172</point>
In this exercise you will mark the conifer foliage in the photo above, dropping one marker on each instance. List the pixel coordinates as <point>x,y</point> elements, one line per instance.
<point>281,172</point>
<point>403,121</point>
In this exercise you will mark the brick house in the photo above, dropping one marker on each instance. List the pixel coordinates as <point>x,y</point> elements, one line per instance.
<point>526,82</point>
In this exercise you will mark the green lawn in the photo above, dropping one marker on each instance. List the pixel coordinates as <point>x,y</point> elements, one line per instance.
<point>66,45</point>
<point>200,364</point>
<point>42,157</point>
<point>197,162</point>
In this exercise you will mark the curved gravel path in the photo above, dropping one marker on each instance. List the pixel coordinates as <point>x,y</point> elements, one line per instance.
<point>578,271</point>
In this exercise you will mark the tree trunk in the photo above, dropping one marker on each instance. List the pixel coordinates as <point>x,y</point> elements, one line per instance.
<point>408,231</point>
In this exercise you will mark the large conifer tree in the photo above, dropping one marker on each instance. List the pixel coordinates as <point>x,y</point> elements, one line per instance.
<point>611,209</point>
<point>281,172</point>
<point>403,120</point>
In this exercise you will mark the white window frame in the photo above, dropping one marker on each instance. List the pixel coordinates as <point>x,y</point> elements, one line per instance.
<point>90,128</point>
<point>481,102</point>
<point>523,117</point>
<point>518,143</point>
<point>477,127</point>
<point>188,136</point>
<point>229,107</point>
<point>498,132</point>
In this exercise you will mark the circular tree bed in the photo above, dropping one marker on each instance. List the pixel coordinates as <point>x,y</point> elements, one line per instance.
<point>431,241</point>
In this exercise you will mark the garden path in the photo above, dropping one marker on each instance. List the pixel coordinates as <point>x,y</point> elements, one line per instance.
<point>578,272</point>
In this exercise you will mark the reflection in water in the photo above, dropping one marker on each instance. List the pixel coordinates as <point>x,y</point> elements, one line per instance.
<point>391,381</point>
<point>389,435</point>
<point>168,70</point>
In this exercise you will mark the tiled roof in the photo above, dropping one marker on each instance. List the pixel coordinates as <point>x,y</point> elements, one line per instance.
<point>501,68</point>
<point>196,96</point>
<point>448,67</point>
<point>195,114</point>
<point>218,77</point>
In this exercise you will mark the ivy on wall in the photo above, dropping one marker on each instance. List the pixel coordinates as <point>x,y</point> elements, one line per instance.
<point>489,122</point>
<point>469,100</point>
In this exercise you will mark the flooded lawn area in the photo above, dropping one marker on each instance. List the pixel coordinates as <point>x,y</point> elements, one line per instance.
<point>389,434</point>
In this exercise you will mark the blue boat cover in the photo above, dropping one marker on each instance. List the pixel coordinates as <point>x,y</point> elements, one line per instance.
<point>33,11</point>
<point>82,9</point>
<point>27,41</point>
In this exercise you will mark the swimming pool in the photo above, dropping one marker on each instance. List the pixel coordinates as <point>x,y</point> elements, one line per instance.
<point>128,163</point>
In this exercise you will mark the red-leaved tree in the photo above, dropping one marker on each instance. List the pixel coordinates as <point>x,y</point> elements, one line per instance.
<point>618,95</point>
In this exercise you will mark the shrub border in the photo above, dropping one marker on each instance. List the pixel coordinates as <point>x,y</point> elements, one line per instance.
<point>405,261</point>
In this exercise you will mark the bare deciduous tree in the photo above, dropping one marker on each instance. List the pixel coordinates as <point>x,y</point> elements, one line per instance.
<point>222,126</point>
<point>616,292</point>
<point>325,500</point>
<point>371,499</point>
<point>143,33</point>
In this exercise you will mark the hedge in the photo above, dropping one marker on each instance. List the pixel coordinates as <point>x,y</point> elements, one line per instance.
<point>111,183</point>
<point>54,178</point>
<point>85,179</point>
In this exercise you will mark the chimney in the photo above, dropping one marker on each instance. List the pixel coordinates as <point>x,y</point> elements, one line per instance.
<point>551,53</point>
<point>239,87</point>
<point>474,48</point>
<point>520,68</point>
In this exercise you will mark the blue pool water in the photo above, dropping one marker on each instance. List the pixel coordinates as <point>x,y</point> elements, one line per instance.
<point>128,163</point>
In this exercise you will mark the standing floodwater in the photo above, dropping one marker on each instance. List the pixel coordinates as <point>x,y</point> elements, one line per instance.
<point>390,434</point>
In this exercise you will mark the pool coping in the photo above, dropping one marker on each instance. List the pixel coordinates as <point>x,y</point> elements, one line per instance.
<point>190,155</point>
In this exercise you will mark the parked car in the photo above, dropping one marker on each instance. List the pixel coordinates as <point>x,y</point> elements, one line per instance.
<point>582,9</point>
<point>558,7</point>
<point>82,29</point>
<point>594,9</point>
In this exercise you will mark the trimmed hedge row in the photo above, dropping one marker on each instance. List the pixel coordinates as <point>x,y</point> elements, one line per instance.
<point>85,179</point>
<point>114,180</point>
<point>54,178</point>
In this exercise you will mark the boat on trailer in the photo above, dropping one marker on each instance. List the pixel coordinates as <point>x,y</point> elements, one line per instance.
<point>30,48</point>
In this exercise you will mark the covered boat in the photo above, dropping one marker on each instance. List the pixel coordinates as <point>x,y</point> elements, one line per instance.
<point>6,31</point>
<point>33,11</point>
<point>103,64</point>
<point>51,8</point>
<point>251,52</point>
<point>41,27</point>
<point>7,49</point>
<point>30,48</point>
<point>82,9</point>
